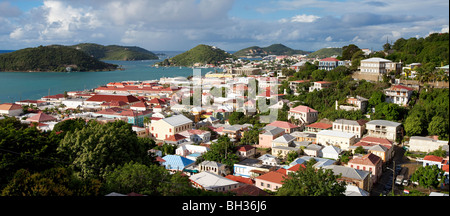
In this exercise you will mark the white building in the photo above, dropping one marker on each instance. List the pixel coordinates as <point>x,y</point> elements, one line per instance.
<point>384,129</point>
<point>398,94</point>
<point>336,138</point>
<point>425,144</point>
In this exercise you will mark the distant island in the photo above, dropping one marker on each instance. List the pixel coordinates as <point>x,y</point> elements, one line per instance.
<point>115,52</point>
<point>54,58</point>
<point>274,49</point>
<point>326,52</point>
<point>201,54</point>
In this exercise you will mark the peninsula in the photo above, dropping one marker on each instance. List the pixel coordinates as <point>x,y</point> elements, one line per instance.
<point>54,58</point>
<point>116,52</point>
<point>201,54</point>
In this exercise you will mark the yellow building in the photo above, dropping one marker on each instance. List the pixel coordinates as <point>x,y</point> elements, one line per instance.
<point>166,127</point>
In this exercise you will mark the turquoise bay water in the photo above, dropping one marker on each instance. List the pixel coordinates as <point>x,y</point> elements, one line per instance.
<point>15,86</point>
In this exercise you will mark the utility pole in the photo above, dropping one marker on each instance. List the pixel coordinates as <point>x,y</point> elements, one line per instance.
<point>393,177</point>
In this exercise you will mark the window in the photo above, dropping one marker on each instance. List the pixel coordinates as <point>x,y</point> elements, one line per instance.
<point>262,184</point>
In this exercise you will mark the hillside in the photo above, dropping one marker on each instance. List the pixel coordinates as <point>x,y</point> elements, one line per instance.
<point>115,52</point>
<point>202,54</point>
<point>326,52</point>
<point>274,49</point>
<point>51,58</point>
<point>433,49</point>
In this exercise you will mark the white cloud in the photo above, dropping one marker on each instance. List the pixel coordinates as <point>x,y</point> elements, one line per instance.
<point>328,39</point>
<point>304,18</point>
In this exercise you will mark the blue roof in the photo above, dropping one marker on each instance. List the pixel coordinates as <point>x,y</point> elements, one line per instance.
<point>176,162</point>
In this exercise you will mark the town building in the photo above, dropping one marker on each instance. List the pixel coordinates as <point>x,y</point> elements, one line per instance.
<point>213,182</point>
<point>304,114</point>
<point>350,126</point>
<point>330,63</point>
<point>319,85</point>
<point>384,129</point>
<point>11,109</point>
<point>166,127</point>
<point>352,176</point>
<point>425,144</point>
<point>268,134</point>
<point>336,138</point>
<point>272,180</point>
<point>368,162</point>
<point>398,94</point>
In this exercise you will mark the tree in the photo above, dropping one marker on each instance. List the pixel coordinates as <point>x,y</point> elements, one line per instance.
<point>222,151</point>
<point>291,156</point>
<point>250,137</point>
<point>51,182</point>
<point>98,148</point>
<point>376,98</point>
<point>438,126</point>
<point>349,51</point>
<point>312,182</point>
<point>413,125</point>
<point>427,176</point>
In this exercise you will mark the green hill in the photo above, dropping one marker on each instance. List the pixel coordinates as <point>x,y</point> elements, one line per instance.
<point>326,52</point>
<point>51,58</point>
<point>115,52</point>
<point>202,54</point>
<point>274,49</point>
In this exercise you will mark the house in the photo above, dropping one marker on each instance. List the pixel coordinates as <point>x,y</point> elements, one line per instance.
<point>312,150</point>
<point>351,190</point>
<point>250,168</point>
<point>166,127</point>
<point>379,146</point>
<point>319,85</point>
<point>196,136</point>
<point>272,180</point>
<point>329,63</point>
<point>249,190</point>
<point>288,127</point>
<point>175,163</point>
<point>282,145</point>
<point>41,117</point>
<point>11,109</point>
<point>320,162</point>
<point>304,114</point>
<point>102,98</point>
<point>430,160</point>
<point>130,116</point>
<point>425,144</point>
<point>368,162</point>
<point>353,104</point>
<point>384,129</point>
<point>336,138</point>
<point>212,182</point>
<point>379,66</point>
<point>269,159</point>
<point>398,94</point>
<point>246,151</point>
<point>303,136</point>
<point>350,126</point>
<point>188,149</point>
<point>294,85</point>
<point>176,139</point>
<point>269,133</point>
<point>212,167</point>
<point>352,176</point>
<point>317,127</point>
<point>332,152</point>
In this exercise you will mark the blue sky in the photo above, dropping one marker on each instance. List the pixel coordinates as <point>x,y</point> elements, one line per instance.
<point>229,24</point>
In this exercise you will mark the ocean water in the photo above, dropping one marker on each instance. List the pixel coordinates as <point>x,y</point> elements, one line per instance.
<point>16,86</point>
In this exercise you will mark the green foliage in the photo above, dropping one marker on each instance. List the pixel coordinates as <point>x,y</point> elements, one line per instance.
<point>438,126</point>
<point>312,182</point>
<point>349,51</point>
<point>414,125</point>
<point>114,52</point>
<point>98,148</point>
<point>222,151</point>
<point>23,147</point>
<point>51,58</point>
<point>326,52</point>
<point>251,137</point>
<point>51,182</point>
<point>203,54</point>
<point>427,176</point>
<point>274,49</point>
<point>433,49</point>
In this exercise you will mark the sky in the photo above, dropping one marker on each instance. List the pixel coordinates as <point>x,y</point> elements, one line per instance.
<point>178,25</point>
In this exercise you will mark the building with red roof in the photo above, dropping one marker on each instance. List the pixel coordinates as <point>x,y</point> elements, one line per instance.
<point>398,94</point>
<point>329,63</point>
<point>288,127</point>
<point>304,114</point>
<point>317,127</point>
<point>102,98</point>
<point>41,117</point>
<point>369,162</point>
<point>246,151</point>
<point>272,180</point>
<point>128,115</point>
<point>11,109</point>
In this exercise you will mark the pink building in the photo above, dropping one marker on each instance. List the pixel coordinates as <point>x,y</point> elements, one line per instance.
<point>304,114</point>
<point>288,127</point>
<point>368,162</point>
<point>269,134</point>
